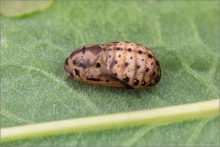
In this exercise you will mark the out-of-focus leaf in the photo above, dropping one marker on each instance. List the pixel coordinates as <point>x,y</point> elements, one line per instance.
<point>23,7</point>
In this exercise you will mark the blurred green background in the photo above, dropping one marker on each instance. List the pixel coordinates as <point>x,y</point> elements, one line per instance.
<point>184,35</point>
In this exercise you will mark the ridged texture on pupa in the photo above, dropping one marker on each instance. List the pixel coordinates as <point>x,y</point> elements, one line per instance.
<point>116,64</point>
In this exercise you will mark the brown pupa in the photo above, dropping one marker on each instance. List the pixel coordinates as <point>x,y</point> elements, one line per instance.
<point>118,64</point>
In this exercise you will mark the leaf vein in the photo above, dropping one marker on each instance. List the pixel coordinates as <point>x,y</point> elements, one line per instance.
<point>57,80</point>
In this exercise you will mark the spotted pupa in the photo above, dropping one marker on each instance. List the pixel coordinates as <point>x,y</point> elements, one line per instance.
<point>118,64</point>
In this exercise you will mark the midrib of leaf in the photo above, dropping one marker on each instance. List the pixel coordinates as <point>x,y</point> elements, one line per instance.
<point>160,115</point>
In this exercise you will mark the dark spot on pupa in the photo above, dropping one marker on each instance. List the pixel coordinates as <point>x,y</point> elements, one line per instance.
<point>77,72</point>
<point>107,80</point>
<point>144,84</point>
<point>157,79</point>
<point>104,49</point>
<point>129,49</point>
<point>98,65</point>
<point>150,56</point>
<point>109,56</point>
<point>92,79</point>
<point>125,80</point>
<point>126,64</point>
<point>157,62</point>
<point>119,55</point>
<point>113,63</point>
<point>152,63</point>
<point>140,52</point>
<point>84,50</point>
<point>142,60</point>
<point>66,61</point>
<point>82,65</point>
<point>136,83</point>
<point>71,74</point>
<point>153,73</point>
<point>149,84</point>
<point>127,41</point>
<point>131,57</point>
<point>115,75</point>
<point>118,48</point>
<point>95,49</point>
<point>138,66</point>
<point>147,69</point>
<point>74,62</point>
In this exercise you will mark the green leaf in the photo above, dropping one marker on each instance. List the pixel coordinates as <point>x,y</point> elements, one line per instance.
<point>183,35</point>
<point>161,116</point>
<point>20,8</point>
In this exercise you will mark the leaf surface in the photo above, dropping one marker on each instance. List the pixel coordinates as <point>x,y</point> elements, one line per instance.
<point>183,35</point>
